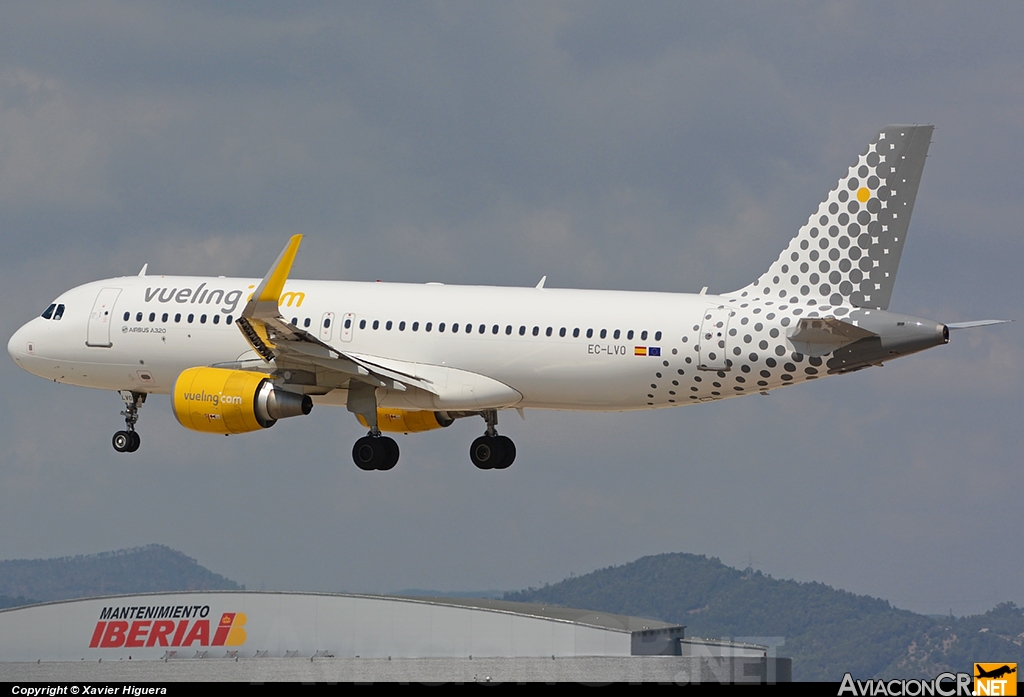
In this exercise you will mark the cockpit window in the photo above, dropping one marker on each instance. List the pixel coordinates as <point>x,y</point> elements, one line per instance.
<point>60,312</point>
<point>48,312</point>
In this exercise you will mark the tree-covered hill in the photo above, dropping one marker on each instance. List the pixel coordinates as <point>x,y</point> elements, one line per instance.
<point>826,631</point>
<point>146,569</point>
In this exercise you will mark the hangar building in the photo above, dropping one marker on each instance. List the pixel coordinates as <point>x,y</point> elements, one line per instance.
<point>237,635</point>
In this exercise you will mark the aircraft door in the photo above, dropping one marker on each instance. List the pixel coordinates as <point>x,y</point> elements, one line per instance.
<point>348,321</point>
<point>98,334</point>
<point>714,339</point>
<point>327,326</point>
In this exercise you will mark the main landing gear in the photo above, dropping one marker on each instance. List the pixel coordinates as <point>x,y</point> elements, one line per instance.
<point>491,451</point>
<point>128,441</point>
<point>375,452</point>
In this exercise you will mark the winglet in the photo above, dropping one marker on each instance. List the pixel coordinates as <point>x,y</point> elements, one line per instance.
<point>265,300</point>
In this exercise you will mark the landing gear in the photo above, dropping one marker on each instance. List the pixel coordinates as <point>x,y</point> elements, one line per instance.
<point>128,441</point>
<point>491,451</point>
<point>375,452</point>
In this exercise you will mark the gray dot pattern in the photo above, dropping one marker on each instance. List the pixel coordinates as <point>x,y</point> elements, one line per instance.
<point>844,258</point>
<point>848,252</point>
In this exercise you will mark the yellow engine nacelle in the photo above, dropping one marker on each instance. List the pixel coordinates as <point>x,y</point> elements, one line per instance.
<point>215,400</point>
<point>402,421</point>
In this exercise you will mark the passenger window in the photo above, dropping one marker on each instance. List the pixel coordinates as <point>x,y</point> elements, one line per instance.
<point>604,333</point>
<point>522,330</point>
<point>643,335</point>
<point>48,312</point>
<point>615,335</point>
<point>387,325</point>
<point>163,318</point>
<point>548,332</point>
<point>428,326</point>
<point>376,323</point>
<point>177,317</point>
<point>228,320</point>
<point>190,318</point>
<point>494,329</point>
<point>508,329</point>
<point>216,319</point>
<point>657,336</point>
<point>138,316</point>
<point>483,329</point>
<point>440,327</point>
<point>415,326</point>
<point>327,322</point>
<point>127,315</point>
<point>536,331</point>
<point>629,334</point>
<point>561,332</point>
<point>348,323</point>
<point>401,326</point>
<point>202,319</point>
<point>455,328</point>
<point>576,333</point>
<point>590,333</point>
<point>362,324</point>
<point>152,316</point>
<point>306,323</point>
<point>295,321</point>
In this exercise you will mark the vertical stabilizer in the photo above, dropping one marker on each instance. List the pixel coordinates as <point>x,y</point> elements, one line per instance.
<point>849,250</point>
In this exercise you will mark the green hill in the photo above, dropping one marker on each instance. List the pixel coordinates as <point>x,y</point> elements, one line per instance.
<point>146,569</point>
<point>827,632</point>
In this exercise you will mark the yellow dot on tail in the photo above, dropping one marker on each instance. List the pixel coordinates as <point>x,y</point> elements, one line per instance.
<point>863,194</point>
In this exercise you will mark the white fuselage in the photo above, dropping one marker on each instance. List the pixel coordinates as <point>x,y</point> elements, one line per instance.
<point>557,348</point>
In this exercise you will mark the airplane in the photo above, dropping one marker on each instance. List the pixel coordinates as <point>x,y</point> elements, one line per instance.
<point>238,354</point>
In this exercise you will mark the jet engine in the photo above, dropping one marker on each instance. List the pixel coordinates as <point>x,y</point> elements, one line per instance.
<point>216,400</point>
<point>404,421</point>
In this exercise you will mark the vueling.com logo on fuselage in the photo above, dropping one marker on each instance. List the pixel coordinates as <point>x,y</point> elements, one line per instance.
<point>201,295</point>
<point>214,399</point>
<point>166,625</point>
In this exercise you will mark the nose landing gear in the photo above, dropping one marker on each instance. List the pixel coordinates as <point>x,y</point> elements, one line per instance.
<point>128,441</point>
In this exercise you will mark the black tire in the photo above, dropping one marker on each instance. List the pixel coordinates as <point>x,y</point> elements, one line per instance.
<point>122,441</point>
<point>368,453</point>
<point>391,453</point>
<point>508,454</point>
<point>487,452</point>
<point>136,441</point>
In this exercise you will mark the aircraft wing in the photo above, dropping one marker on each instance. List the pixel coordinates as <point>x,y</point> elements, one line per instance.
<point>289,347</point>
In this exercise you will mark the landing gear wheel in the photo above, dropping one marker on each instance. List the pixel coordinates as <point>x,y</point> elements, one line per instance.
<point>391,453</point>
<point>487,452</point>
<point>123,442</point>
<point>368,453</point>
<point>136,441</point>
<point>509,454</point>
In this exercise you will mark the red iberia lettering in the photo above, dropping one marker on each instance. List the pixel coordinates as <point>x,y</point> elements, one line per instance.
<point>158,635</point>
<point>114,636</point>
<point>137,634</point>
<point>200,632</point>
<point>97,634</point>
<point>182,626</point>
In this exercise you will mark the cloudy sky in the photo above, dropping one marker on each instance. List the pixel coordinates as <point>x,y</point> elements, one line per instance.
<point>644,146</point>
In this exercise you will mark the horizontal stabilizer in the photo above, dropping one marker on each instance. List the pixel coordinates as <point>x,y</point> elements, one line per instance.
<point>977,323</point>
<point>816,336</point>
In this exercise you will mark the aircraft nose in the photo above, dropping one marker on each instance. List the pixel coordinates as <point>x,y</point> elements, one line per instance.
<point>18,345</point>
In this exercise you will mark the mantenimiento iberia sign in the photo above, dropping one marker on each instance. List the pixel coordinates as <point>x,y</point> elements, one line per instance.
<point>166,625</point>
